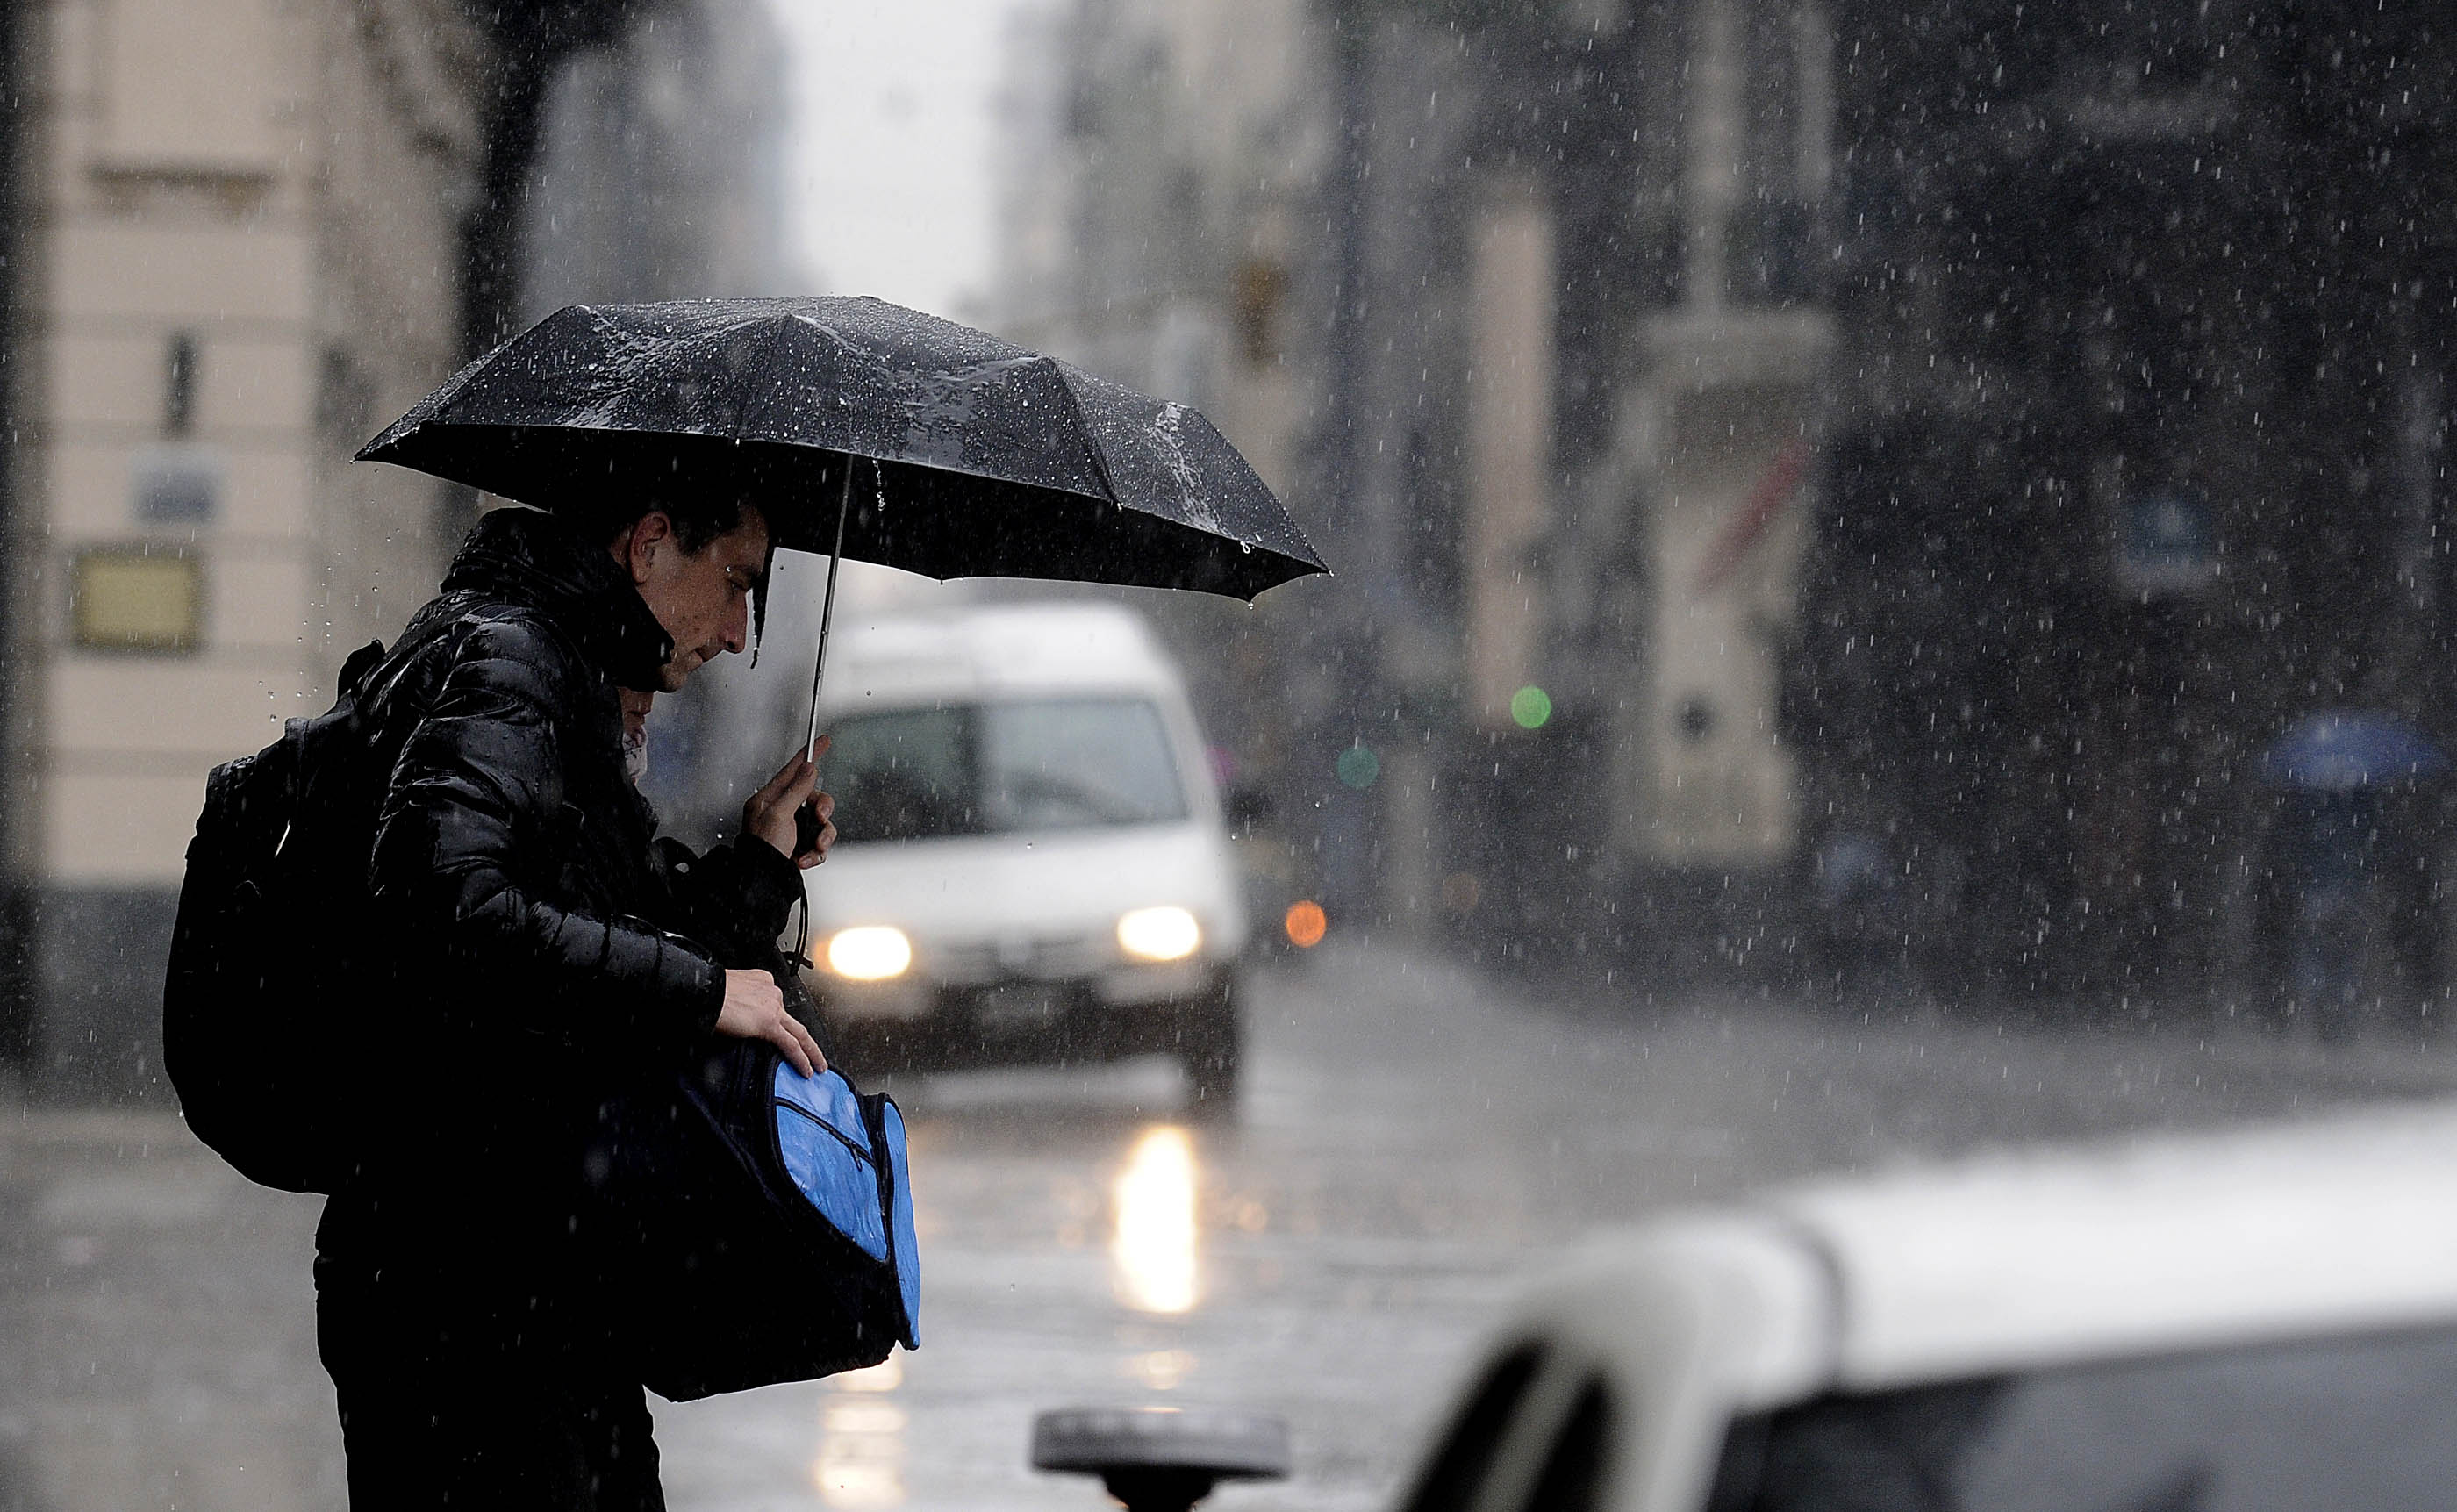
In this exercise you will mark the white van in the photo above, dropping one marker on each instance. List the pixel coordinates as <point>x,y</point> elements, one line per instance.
<point>1031,865</point>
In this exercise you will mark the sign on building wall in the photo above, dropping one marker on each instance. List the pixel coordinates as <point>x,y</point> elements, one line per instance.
<point>135,598</point>
<point>176,485</point>
<point>1714,786</point>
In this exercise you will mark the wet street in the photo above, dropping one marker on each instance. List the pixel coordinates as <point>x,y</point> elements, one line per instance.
<point>1417,1139</point>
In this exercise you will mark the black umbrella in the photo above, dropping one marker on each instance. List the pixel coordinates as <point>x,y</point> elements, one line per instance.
<point>943,451</point>
<point>992,461</point>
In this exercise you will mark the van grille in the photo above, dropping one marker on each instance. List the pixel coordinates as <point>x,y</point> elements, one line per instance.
<point>1053,958</point>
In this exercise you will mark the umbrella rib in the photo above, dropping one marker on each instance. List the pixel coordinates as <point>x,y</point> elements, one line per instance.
<point>752,372</point>
<point>1083,428</point>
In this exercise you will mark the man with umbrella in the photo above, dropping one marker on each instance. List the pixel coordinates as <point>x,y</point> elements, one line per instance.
<point>461,1275</point>
<point>513,853</point>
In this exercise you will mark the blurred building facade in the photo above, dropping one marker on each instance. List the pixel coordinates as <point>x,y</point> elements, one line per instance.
<point>659,175</point>
<point>1549,390</point>
<point>659,169</point>
<point>1159,170</point>
<point>1815,493</point>
<point>245,233</point>
<point>2138,456</point>
<point>239,223</point>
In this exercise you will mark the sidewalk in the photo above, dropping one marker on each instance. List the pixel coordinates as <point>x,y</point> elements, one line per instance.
<point>157,1344</point>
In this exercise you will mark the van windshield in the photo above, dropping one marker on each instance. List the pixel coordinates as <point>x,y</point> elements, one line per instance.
<point>1002,768</point>
<point>2362,1421</point>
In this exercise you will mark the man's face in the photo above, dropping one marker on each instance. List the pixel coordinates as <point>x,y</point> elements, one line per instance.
<point>702,599</point>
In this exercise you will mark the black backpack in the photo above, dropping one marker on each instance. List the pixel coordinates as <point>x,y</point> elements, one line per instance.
<point>274,896</point>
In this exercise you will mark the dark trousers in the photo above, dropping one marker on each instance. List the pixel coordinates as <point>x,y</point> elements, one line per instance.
<point>462,1392</point>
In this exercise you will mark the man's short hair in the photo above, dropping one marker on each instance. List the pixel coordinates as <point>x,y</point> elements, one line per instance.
<point>697,520</point>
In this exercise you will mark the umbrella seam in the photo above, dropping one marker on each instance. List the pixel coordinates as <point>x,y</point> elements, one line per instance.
<point>1091,440</point>
<point>1083,427</point>
<point>775,343</point>
<point>759,626</point>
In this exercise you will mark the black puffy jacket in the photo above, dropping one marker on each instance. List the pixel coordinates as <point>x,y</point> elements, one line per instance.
<point>523,917</point>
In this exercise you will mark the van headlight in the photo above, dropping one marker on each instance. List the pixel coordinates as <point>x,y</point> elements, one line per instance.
<point>870,953</point>
<point>1159,934</point>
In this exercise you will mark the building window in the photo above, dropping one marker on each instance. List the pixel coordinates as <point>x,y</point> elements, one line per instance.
<point>345,398</point>
<point>1260,288</point>
<point>137,598</point>
<point>180,386</point>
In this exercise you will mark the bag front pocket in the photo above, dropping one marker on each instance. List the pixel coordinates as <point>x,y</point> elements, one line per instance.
<point>833,1171</point>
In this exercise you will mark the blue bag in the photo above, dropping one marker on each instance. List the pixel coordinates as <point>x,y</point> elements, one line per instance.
<point>766,1225</point>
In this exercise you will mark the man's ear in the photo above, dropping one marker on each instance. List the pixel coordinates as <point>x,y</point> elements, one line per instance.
<point>637,546</point>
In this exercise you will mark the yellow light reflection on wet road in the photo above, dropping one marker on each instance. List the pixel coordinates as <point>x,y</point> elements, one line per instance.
<point>1160,1369</point>
<point>861,1465</point>
<point>1154,1248</point>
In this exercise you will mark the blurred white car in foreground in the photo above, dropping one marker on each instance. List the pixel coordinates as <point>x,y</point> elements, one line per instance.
<point>1032,863</point>
<point>2223,1324</point>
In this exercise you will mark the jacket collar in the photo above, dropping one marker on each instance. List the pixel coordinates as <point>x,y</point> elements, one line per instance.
<point>531,558</point>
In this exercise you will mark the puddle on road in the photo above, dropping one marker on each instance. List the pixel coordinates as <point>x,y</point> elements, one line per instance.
<point>1154,1250</point>
<point>1138,1088</point>
<point>1160,1369</point>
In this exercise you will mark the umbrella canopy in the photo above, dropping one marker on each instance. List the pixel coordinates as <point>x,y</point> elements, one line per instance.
<point>990,460</point>
<point>2341,750</point>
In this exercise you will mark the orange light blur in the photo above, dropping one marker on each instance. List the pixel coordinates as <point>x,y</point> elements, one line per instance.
<point>1306,923</point>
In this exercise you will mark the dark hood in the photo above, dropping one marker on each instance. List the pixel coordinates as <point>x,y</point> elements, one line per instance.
<point>533,559</point>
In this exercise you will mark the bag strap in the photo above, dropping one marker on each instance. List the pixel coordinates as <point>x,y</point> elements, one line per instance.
<point>357,665</point>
